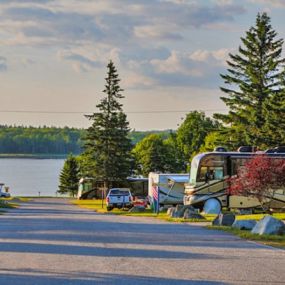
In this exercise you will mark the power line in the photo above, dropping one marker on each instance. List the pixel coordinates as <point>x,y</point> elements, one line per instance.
<point>128,112</point>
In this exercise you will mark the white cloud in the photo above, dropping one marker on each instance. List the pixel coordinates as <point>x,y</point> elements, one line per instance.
<point>271,3</point>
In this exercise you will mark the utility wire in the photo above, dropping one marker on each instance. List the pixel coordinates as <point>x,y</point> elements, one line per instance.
<point>128,112</point>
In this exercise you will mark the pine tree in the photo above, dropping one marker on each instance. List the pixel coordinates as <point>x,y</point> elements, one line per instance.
<point>275,120</point>
<point>69,177</point>
<point>254,76</point>
<point>106,141</point>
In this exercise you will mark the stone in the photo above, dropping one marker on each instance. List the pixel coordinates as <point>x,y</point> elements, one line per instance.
<point>269,226</point>
<point>137,209</point>
<point>170,211</point>
<point>216,221</point>
<point>189,214</point>
<point>244,224</point>
<point>224,220</point>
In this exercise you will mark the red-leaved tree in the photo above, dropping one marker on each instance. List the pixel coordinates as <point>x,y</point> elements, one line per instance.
<point>260,177</point>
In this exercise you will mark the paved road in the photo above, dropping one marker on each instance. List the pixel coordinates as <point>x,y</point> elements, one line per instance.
<point>49,241</point>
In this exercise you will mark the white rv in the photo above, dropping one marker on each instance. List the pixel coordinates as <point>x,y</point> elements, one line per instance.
<point>170,187</point>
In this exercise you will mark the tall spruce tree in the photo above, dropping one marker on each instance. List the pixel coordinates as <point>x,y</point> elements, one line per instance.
<point>69,177</point>
<point>254,77</point>
<point>106,141</point>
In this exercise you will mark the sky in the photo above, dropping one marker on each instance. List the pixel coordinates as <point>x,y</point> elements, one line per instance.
<point>168,53</point>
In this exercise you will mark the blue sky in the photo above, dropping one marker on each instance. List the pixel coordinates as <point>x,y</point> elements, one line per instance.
<point>169,54</point>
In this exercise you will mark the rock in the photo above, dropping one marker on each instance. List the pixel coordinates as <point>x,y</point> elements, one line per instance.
<point>216,221</point>
<point>170,211</point>
<point>137,209</point>
<point>189,214</point>
<point>244,224</point>
<point>224,220</point>
<point>269,226</point>
<point>178,212</point>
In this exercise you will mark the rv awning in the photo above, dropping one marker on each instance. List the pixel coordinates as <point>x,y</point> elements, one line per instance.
<point>179,179</point>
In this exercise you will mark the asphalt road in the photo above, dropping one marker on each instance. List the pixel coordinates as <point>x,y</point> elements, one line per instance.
<point>49,241</point>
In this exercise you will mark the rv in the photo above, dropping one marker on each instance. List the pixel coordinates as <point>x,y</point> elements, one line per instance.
<point>170,187</point>
<point>208,184</point>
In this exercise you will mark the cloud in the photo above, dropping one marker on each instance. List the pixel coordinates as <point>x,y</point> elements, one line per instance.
<point>271,3</point>
<point>3,64</point>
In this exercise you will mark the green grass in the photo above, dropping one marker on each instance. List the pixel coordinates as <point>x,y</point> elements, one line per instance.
<point>257,217</point>
<point>272,240</point>
<point>96,205</point>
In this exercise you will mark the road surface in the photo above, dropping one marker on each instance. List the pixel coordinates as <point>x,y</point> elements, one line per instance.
<point>50,241</point>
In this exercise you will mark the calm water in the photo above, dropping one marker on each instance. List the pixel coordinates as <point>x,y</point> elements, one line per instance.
<point>28,177</point>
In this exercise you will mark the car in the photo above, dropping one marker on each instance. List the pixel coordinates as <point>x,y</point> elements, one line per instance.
<point>119,198</point>
<point>4,195</point>
<point>140,201</point>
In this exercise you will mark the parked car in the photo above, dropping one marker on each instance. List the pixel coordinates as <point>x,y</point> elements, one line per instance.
<point>140,201</point>
<point>119,198</point>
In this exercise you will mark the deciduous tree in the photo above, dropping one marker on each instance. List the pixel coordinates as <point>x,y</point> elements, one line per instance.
<point>260,178</point>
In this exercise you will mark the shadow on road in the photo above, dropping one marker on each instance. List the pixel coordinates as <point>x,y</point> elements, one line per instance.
<point>42,278</point>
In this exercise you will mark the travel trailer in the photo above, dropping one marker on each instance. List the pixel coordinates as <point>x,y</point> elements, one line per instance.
<point>170,187</point>
<point>208,181</point>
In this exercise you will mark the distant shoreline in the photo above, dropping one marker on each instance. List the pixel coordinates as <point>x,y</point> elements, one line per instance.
<point>35,156</point>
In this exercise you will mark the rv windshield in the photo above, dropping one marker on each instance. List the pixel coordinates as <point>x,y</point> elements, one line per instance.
<point>206,167</point>
<point>194,168</point>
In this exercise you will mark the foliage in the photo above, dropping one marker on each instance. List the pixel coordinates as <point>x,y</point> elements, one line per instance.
<point>69,177</point>
<point>42,140</point>
<point>260,177</point>
<point>192,133</point>
<point>153,154</point>
<point>106,143</point>
<point>254,78</point>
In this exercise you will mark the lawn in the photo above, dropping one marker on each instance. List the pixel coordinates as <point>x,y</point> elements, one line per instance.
<point>257,217</point>
<point>272,240</point>
<point>96,205</point>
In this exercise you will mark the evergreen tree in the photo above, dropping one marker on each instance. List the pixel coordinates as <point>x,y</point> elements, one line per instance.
<point>106,142</point>
<point>254,76</point>
<point>275,120</point>
<point>69,177</point>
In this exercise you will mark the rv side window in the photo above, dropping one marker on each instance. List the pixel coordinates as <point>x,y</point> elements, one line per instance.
<point>237,163</point>
<point>210,173</point>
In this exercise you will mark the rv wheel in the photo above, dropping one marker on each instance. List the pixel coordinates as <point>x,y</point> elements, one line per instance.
<point>212,206</point>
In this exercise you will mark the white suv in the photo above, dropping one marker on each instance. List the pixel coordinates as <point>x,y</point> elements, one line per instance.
<point>119,198</point>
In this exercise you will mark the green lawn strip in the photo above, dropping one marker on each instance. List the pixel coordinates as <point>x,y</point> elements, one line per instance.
<point>96,205</point>
<point>272,240</point>
<point>257,217</point>
<point>8,205</point>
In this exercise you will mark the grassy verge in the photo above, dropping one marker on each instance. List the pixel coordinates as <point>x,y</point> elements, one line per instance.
<point>272,240</point>
<point>257,217</point>
<point>96,205</point>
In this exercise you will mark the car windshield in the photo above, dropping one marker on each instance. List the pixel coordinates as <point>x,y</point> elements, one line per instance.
<point>119,192</point>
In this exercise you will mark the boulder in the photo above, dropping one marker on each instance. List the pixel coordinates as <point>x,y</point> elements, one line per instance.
<point>269,226</point>
<point>189,214</point>
<point>244,224</point>
<point>178,212</point>
<point>137,209</point>
<point>170,211</point>
<point>224,220</point>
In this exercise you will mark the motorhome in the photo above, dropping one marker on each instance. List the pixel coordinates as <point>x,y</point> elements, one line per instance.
<point>208,181</point>
<point>170,187</point>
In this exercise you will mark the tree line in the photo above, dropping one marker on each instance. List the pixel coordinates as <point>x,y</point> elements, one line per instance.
<point>254,88</point>
<point>52,140</point>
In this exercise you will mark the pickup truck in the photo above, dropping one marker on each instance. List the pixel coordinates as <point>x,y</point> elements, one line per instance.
<point>119,198</point>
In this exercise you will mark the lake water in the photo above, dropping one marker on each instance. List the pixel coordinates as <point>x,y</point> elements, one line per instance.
<point>31,177</point>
